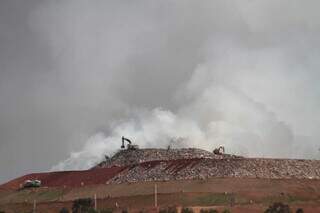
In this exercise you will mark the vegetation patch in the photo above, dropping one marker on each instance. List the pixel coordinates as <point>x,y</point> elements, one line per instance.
<point>285,199</point>
<point>219,199</point>
<point>49,195</point>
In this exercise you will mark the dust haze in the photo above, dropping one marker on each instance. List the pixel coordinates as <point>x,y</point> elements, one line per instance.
<point>77,75</point>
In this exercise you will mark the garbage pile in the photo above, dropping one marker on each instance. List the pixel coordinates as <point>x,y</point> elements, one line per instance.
<point>197,168</point>
<point>132,157</point>
<point>192,163</point>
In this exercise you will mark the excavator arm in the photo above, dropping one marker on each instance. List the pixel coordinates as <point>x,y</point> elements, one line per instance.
<point>130,146</point>
<point>125,140</point>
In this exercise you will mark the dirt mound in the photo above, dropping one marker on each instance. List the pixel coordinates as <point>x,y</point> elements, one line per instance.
<point>67,178</point>
<point>132,157</point>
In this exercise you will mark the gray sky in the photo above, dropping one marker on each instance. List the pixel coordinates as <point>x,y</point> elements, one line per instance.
<point>242,73</point>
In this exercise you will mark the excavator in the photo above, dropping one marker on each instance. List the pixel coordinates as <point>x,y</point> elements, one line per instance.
<point>130,146</point>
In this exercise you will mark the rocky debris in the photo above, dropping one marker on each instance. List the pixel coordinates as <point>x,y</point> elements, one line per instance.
<point>132,157</point>
<point>182,164</point>
<point>197,168</point>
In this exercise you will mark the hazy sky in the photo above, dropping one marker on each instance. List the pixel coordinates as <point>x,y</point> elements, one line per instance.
<point>75,75</point>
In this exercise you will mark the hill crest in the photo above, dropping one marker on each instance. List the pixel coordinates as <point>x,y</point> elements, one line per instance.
<point>132,157</point>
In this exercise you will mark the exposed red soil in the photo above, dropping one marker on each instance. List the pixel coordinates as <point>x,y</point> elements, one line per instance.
<point>67,178</point>
<point>90,177</point>
<point>179,164</point>
<point>173,165</point>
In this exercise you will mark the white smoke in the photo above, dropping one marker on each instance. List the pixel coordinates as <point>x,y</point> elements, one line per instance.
<point>244,75</point>
<point>217,107</point>
<point>240,73</point>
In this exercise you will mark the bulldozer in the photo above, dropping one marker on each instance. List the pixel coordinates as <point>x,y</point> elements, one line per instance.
<point>130,146</point>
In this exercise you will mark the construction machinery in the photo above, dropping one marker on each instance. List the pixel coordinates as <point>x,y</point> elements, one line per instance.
<point>130,146</point>
<point>31,183</point>
<point>219,150</point>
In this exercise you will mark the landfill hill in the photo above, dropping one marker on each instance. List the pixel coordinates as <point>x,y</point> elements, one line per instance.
<point>141,165</point>
<point>185,177</point>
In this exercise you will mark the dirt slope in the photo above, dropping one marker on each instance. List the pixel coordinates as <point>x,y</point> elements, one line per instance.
<point>67,178</point>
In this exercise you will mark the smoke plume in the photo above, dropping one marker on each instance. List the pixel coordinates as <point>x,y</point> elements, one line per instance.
<point>214,109</point>
<point>76,75</point>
